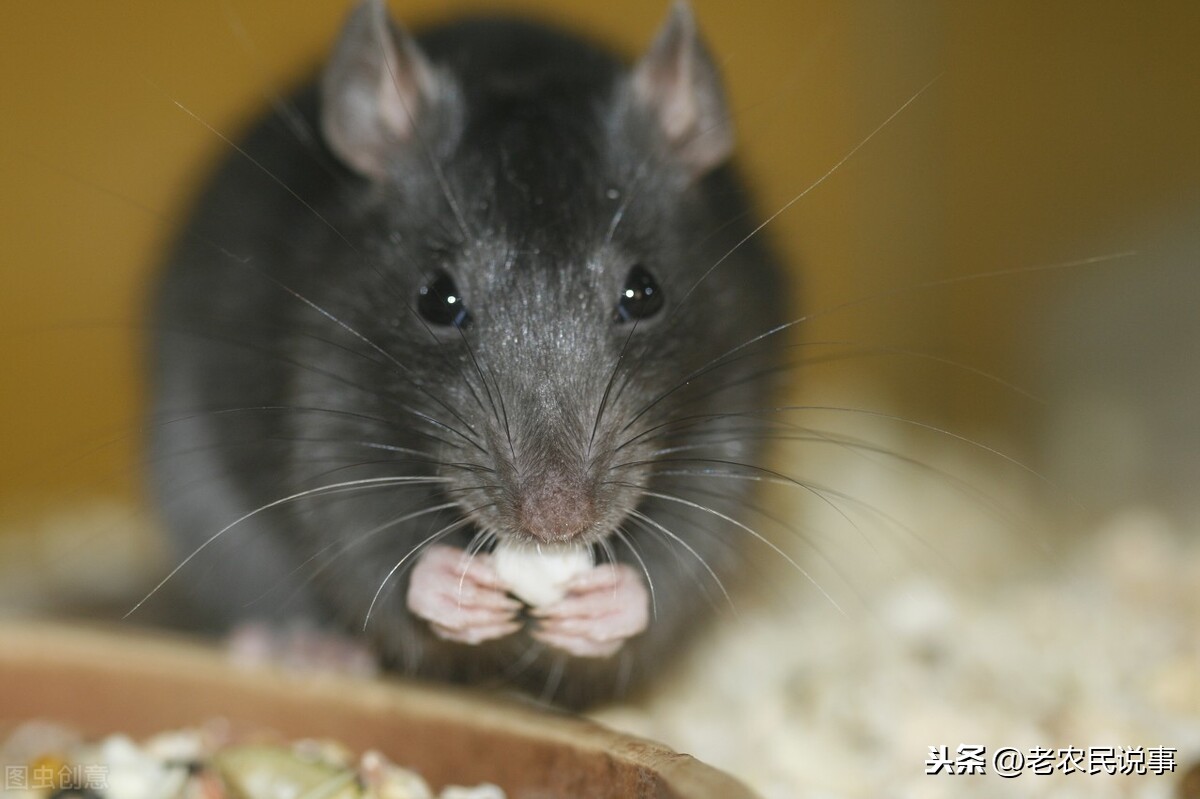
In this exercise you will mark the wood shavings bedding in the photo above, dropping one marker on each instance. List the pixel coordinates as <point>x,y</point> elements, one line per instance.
<point>1101,649</point>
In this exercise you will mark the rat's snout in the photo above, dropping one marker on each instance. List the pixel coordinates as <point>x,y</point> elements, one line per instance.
<point>550,468</point>
<point>552,485</point>
<point>553,488</point>
<point>555,507</point>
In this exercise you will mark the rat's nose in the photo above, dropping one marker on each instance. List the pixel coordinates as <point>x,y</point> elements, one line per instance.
<point>556,511</point>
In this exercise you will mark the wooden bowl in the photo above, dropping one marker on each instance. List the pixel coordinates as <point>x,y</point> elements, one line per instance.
<point>136,683</point>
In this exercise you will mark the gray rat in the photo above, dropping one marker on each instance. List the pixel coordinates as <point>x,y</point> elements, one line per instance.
<point>486,283</point>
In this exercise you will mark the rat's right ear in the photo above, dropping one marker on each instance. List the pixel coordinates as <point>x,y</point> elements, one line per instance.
<point>677,82</point>
<point>374,91</point>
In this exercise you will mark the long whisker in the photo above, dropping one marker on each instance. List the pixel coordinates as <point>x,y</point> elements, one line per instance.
<point>442,533</point>
<point>259,165</point>
<point>554,676</point>
<point>634,186</point>
<point>346,546</point>
<point>480,540</point>
<point>245,261</point>
<point>858,349</point>
<point>426,151</point>
<point>821,495</point>
<point>512,448</point>
<point>646,520</point>
<point>859,447</point>
<point>233,340</point>
<point>766,478</point>
<point>802,536</point>
<point>608,387</point>
<point>888,294</point>
<point>164,419</point>
<point>949,434</point>
<point>611,557</point>
<point>350,485</point>
<point>391,358</point>
<point>758,536</point>
<point>628,542</point>
<point>262,168</point>
<point>805,192</point>
<point>703,418</point>
<point>283,106</point>
<point>487,391</point>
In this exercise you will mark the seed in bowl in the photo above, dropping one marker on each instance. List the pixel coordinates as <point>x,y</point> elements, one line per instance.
<point>193,764</point>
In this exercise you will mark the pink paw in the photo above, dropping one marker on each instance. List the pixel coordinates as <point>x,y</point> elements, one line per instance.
<point>603,607</point>
<point>461,597</point>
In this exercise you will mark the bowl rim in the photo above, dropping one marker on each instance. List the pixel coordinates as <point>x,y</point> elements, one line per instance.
<point>83,650</point>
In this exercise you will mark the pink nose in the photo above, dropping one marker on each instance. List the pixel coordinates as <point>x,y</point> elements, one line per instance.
<point>556,513</point>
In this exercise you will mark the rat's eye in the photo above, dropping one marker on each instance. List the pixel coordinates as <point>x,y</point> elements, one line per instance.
<point>641,298</point>
<point>439,302</point>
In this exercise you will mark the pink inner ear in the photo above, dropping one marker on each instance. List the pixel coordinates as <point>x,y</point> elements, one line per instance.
<point>666,87</point>
<point>407,84</point>
<point>376,84</point>
<point>679,83</point>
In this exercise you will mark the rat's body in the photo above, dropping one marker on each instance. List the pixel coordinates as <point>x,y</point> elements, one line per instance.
<point>307,337</point>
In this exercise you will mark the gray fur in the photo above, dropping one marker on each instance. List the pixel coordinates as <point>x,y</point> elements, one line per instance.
<point>289,355</point>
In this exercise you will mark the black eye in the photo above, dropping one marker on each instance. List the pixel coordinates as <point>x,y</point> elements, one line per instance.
<point>641,298</point>
<point>441,304</point>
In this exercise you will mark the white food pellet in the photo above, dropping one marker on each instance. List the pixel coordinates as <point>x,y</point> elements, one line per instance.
<point>538,574</point>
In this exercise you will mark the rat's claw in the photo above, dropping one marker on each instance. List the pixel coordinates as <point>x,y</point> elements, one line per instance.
<point>604,607</point>
<point>580,647</point>
<point>477,634</point>
<point>461,597</point>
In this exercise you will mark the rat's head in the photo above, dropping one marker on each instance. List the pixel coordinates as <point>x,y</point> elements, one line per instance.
<point>551,225</point>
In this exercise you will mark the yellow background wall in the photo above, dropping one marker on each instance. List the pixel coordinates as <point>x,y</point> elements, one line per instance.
<point>1051,131</point>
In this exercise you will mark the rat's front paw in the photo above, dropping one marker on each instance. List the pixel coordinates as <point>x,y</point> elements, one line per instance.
<point>603,607</point>
<point>461,596</point>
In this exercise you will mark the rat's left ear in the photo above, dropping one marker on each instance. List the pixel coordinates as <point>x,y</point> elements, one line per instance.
<point>376,90</point>
<point>678,84</point>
